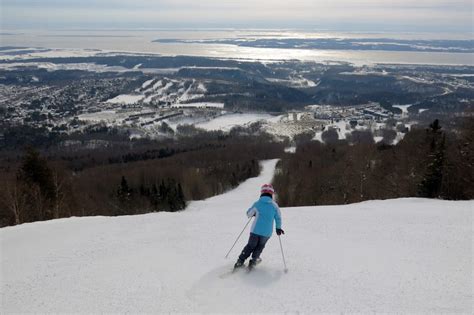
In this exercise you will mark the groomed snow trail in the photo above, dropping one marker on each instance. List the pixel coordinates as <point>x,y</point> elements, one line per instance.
<point>404,255</point>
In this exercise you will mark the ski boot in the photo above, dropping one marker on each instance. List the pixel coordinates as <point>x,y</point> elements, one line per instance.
<point>253,263</point>
<point>238,264</point>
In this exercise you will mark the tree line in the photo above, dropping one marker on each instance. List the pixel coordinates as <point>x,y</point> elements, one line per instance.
<point>134,177</point>
<point>429,162</point>
<point>143,177</point>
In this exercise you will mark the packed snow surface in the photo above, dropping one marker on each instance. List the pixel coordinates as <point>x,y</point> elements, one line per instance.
<point>105,115</point>
<point>126,99</point>
<point>199,105</point>
<point>397,256</point>
<point>49,66</point>
<point>228,121</point>
<point>147,83</point>
<point>403,108</point>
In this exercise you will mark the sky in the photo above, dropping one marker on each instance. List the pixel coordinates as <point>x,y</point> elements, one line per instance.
<point>347,15</point>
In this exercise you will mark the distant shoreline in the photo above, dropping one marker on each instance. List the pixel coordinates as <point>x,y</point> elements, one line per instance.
<point>356,48</point>
<point>355,58</point>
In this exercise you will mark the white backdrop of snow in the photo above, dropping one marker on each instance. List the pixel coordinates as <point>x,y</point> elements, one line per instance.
<point>105,115</point>
<point>226,122</point>
<point>199,105</point>
<point>403,108</point>
<point>147,83</point>
<point>405,255</point>
<point>126,99</point>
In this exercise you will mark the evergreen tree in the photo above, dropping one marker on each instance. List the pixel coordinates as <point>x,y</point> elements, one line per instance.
<point>172,196</point>
<point>181,199</point>
<point>430,185</point>
<point>39,186</point>
<point>35,170</point>
<point>435,126</point>
<point>154,197</point>
<point>144,191</point>
<point>162,190</point>
<point>124,192</point>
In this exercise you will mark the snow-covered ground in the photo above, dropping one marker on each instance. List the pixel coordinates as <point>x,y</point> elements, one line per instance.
<point>394,256</point>
<point>126,99</point>
<point>226,122</point>
<point>32,52</point>
<point>199,105</point>
<point>403,108</point>
<point>342,128</point>
<point>84,66</point>
<point>92,67</point>
<point>296,82</point>
<point>109,116</point>
<point>176,92</point>
<point>147,83</point>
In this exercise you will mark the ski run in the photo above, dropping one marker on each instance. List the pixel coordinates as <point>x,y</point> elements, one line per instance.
<point>392,256</point>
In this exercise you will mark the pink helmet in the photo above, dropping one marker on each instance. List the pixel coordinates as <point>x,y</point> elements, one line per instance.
<point>267,189</point>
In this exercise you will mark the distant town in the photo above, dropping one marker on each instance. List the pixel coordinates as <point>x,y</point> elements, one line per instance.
<point>285,99</point>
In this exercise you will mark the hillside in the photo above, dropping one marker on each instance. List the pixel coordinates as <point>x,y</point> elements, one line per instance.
<point>404,255</point>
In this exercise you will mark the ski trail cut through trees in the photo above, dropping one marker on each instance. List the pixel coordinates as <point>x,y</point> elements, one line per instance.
<point>393,256</point>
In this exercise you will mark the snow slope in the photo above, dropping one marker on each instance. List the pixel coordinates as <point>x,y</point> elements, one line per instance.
<point>405,255</point>
<point>126,99</point>
<point>228,121</point>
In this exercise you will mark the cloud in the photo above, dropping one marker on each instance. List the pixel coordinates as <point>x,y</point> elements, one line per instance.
<point>377,14</point>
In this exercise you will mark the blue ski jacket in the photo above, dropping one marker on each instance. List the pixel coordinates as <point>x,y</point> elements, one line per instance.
<point>265,211</point>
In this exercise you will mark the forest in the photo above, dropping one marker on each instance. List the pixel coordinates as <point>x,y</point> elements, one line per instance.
<point>429,162</point>
<point>118,176</point>
<point>126,178</point>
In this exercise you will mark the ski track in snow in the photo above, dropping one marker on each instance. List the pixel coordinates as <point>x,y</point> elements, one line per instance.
<point>403,255</point>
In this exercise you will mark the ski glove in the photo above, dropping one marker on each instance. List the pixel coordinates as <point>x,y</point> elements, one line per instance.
<point>280,231</point>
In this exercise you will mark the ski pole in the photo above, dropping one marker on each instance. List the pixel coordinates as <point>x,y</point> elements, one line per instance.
<point>282,255</point>
<point>238,237</point>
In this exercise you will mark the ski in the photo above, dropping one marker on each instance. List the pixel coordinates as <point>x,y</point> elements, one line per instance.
<point>237,269</point>
<point>231,272</point>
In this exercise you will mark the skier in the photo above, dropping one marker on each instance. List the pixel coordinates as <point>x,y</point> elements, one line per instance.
<point>265,211</point>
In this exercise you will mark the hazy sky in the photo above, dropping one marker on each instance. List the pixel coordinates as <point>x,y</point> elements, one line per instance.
<point>357,15</point>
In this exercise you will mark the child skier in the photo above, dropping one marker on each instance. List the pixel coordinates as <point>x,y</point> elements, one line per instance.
<point>265,211</point>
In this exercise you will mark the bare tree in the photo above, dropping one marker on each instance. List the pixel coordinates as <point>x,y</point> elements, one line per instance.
<point>15,199</point>
<point>59,196</point>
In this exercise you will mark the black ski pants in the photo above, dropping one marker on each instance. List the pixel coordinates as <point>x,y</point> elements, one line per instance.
<point>254,247</point>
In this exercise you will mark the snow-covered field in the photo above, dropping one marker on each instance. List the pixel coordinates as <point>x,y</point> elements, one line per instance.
<point>126,99</point>
<point>226,122</point>
<point>403,108</point>
<point>109,116</point>
<point>106,115</point>
<point>344,130</point>
<point>32,52</point>
<point>396,256</point>
<point>296,82</point>
<point>92,67</point>
<point>199,105</point>
<point>174,91</point>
